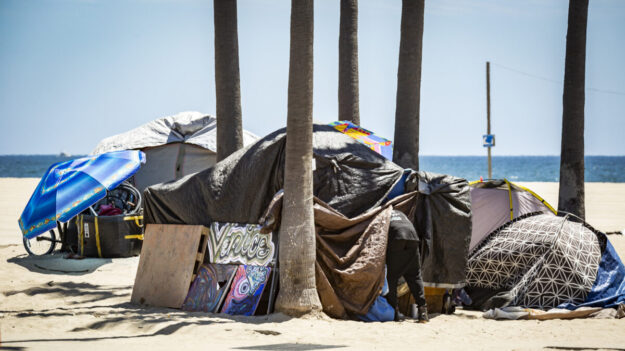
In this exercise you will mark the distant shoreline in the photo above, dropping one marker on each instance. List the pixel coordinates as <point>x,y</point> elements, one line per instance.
<point>494,156</point>
<point>599,169</point>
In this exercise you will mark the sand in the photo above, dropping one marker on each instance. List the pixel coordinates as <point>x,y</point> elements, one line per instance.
<point>41,308</point>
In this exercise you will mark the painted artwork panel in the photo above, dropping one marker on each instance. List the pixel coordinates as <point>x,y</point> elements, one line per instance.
<point>209,288</point>
<point>233,243</point>
<point>247,287</point>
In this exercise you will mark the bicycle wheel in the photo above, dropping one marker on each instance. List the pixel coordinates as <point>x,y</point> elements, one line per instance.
<point>41,245</point>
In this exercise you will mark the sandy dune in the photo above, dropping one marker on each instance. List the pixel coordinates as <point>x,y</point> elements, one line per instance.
<point>89,309</point>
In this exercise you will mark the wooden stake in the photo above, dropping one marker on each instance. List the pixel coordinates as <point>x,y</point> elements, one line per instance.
<point>490,164</point>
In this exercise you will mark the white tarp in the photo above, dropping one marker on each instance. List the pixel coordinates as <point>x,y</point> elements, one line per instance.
<point>175,146</point>
<point>185,127</point>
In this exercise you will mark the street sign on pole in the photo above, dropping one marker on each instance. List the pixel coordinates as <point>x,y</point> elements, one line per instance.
<point>488,140</point>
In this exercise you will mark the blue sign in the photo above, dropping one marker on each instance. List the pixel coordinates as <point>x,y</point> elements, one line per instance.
<point>488,140</point>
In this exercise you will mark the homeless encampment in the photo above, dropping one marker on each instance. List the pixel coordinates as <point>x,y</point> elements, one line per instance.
<point>351,188</point>
<point>544,261</point>
<point>175,146</point>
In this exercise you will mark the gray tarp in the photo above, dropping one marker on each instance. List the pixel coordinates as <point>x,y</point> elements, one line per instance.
<point>349,176</point>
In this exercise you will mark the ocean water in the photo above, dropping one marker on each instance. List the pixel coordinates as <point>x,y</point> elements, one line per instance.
<point>28,166</point>
<point>610,169</point>
<point>515,168</point>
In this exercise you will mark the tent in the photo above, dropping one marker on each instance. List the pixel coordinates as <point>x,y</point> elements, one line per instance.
<point>175,146</point>
<point>545,261</point>
<point>351,185</point>
<point>496,202</point>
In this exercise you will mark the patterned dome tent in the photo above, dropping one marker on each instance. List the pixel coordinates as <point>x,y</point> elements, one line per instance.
<point>543,261</point>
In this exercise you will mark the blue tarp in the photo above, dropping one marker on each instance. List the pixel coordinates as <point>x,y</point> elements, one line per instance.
<point>400,187</point>
<point>608,291</point>
<point>380,310</point>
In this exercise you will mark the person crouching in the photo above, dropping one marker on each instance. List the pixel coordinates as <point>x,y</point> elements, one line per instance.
<point>403,258</point>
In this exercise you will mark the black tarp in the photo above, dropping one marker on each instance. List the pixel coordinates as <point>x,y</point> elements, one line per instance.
<point>442,217</point>
<point>349,177</point>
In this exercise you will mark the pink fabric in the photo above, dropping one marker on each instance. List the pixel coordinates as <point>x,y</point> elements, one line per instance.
<point>109,210</point>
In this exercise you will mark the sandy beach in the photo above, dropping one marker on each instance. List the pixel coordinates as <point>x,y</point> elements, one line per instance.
<point>44,308</point>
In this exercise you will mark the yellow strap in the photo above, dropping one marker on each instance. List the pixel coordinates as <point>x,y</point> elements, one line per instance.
<point>82,246</point>
<point>97,238</point>
<point>510,198</point>
<point>136,219</point>
<point>134,236</point>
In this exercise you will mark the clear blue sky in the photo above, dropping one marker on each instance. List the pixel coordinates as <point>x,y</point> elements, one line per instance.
<point>75,71</point>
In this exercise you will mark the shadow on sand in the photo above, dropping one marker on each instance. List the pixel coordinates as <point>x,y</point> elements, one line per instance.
<point>128,316</point>
<point>56,263</point>
<point>69,289</point>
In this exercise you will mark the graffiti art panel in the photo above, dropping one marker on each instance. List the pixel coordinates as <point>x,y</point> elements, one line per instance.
<point>247,287</point>
<point>232,243</point>
<point>209,288</point>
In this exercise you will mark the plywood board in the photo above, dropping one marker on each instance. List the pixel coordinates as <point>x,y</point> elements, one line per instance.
<point>170,257</point>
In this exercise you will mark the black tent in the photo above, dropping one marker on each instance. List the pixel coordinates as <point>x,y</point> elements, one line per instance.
<point>350,179</point>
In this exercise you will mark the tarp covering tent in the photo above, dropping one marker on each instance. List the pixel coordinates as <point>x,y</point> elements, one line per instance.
<point>349,177</point>
<point>351,183</point>
<point>496,202</point>
<point>175,146</point>
<point>545,261</point>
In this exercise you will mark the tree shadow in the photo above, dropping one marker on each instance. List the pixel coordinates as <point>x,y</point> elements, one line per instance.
<point>129,313</point>
<point>291,346</point>
<point>167,330</point>
<point>70,289</point>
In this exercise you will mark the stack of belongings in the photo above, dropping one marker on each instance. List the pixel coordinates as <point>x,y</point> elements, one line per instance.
<point>540,261</point>
<point>111,228</point>
<point>352,207</point>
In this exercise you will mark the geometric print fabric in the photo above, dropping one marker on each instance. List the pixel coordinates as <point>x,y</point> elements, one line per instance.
<point>542,260</point>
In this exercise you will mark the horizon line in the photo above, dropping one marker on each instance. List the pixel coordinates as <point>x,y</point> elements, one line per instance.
<point>426,155</point>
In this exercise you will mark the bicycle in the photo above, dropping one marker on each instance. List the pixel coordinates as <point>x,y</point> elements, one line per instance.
<point>125,197</point>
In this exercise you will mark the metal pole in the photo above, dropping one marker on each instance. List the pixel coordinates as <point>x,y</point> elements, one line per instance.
<point>490,168</point>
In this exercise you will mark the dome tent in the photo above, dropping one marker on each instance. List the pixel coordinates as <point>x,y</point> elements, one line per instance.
<point>175,146</point>
<point>496,202</point>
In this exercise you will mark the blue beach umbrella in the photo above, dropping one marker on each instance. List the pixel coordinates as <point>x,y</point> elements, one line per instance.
<point>69,187</point>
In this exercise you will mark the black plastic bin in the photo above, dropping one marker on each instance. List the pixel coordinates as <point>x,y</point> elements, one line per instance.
<point>105,236</point>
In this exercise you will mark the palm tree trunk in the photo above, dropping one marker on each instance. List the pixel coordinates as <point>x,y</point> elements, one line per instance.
<point>571,193</point>
<point>298,291</point>
<point>227,85</point>
<point>406,149</point>
<point>348,62</point>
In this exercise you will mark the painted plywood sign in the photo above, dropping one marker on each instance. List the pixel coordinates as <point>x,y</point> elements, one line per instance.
<point>247,287</point>
<point>209,288</point>
<point>232,243</point>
